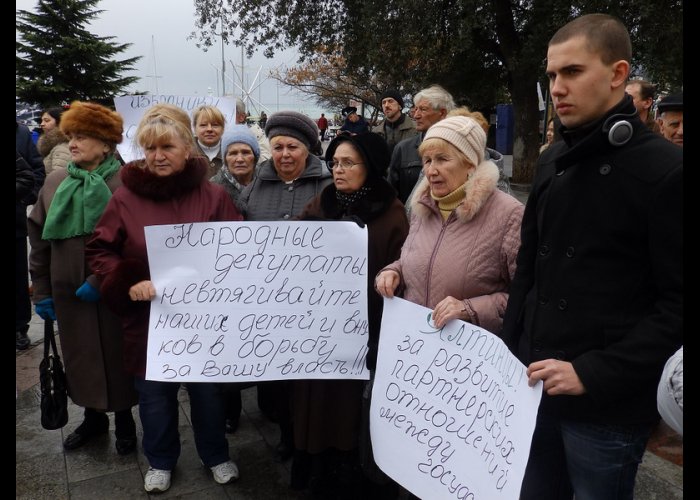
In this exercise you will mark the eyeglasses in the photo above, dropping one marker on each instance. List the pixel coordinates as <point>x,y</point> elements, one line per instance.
<point>345,164</point>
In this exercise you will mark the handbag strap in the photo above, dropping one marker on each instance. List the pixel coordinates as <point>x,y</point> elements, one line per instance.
<point>49,339</point>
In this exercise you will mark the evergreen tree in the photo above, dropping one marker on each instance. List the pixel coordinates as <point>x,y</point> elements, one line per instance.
<point>58,60</point>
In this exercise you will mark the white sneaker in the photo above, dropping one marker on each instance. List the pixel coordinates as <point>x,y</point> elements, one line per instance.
<point>156,480</point>
<point>225,472</point>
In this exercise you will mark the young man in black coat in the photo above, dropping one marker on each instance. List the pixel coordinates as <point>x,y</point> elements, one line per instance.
<point>596,304</point>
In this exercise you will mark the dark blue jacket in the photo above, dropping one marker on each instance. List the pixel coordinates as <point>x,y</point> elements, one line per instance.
<point>27,148</point>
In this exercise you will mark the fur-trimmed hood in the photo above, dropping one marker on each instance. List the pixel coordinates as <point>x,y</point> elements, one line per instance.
<point>143,182</point>
<point>480,185</point>
<point>48,140</point>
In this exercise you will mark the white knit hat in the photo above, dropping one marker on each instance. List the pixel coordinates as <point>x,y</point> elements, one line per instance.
<point>463,133</point>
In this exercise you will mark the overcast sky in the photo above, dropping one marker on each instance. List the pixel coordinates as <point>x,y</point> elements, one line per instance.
<point>158,30</point>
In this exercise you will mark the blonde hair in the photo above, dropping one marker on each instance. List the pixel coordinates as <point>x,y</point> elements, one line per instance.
<point>211,113</point>
<point>164,122</point>
<point>475,115</point>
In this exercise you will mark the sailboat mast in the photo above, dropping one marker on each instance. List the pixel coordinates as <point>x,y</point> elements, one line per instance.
<point>155,67</point>
<point>155,75</point>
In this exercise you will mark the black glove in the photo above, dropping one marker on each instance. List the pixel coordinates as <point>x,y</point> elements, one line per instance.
<point>355,219</point>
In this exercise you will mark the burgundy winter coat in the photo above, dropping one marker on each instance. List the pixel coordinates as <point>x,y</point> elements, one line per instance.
<point>117,251</point>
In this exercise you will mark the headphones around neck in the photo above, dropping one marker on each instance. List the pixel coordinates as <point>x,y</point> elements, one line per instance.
<point>618,129</point>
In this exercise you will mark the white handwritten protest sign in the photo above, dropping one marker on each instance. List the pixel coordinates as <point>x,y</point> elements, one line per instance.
<point>253,301</point>
<point>132,108</point>
<point>452,415</point>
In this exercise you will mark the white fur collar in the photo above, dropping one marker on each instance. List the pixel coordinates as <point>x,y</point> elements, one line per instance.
<point>480,185</point>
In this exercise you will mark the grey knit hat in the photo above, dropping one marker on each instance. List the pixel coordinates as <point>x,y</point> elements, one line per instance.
<point>463,133</point>
<point>293,124</point>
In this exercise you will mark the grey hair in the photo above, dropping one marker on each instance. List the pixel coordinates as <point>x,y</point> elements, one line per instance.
<point>437,96</point>
<point>240,105</point>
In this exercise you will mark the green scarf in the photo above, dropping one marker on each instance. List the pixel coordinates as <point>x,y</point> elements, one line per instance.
<point>79,201</point>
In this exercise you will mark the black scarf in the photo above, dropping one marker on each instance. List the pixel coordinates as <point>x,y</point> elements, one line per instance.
<point>346,200</point>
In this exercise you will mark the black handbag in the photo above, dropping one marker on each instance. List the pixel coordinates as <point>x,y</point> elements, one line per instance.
<point>54,394</point>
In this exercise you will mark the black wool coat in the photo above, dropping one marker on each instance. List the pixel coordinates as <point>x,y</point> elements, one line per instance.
<point>327,413</point>
<point>599,276</point>
<point>387,229</point>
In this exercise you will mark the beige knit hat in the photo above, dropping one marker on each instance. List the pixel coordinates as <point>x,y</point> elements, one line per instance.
<point>463,133</point>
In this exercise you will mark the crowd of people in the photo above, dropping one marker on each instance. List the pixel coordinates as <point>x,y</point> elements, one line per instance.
<point>584,283</point>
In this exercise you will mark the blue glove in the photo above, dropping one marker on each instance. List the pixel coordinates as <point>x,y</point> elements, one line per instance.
<point>87,293</point>
<point>44,308</point>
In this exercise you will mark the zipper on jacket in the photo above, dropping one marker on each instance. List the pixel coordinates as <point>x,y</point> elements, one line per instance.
<point>432,255</point>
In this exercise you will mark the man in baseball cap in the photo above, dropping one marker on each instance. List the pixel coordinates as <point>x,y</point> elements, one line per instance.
<point>354,123</point>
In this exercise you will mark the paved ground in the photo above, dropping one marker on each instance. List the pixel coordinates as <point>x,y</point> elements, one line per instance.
<point>45,471</point>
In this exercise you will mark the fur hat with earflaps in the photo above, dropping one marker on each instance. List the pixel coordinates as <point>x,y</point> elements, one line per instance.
<point>93,120</point>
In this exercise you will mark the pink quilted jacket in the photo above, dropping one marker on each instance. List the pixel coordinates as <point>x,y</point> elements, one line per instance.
<point>470,256</point>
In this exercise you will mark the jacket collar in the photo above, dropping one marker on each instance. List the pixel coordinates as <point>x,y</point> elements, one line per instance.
<point>143,182</point>
<point>48,140</point>
<point>376,202</point>
<point>397,123</point>
<point>314,168</point>
<point>480,185</point>
<point>592,139</point>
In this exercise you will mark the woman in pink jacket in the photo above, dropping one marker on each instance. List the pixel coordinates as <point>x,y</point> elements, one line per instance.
<point>459,256</point>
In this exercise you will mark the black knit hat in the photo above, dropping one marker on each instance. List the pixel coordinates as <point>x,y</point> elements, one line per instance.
<point>293,124</point>
<point>372,148</point>
<point>673,102</point>
<point>394,94</point>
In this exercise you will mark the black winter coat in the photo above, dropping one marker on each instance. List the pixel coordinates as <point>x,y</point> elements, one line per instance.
<point>24,178</point>
<point>25,147</point>
<point>599,278</point>
<point>387,226</point>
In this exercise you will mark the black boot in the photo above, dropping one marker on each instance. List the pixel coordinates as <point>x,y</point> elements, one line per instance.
<point>124,431</point>
<point>22,339</point>
<point>94,423</point>
<point>285,448</point>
